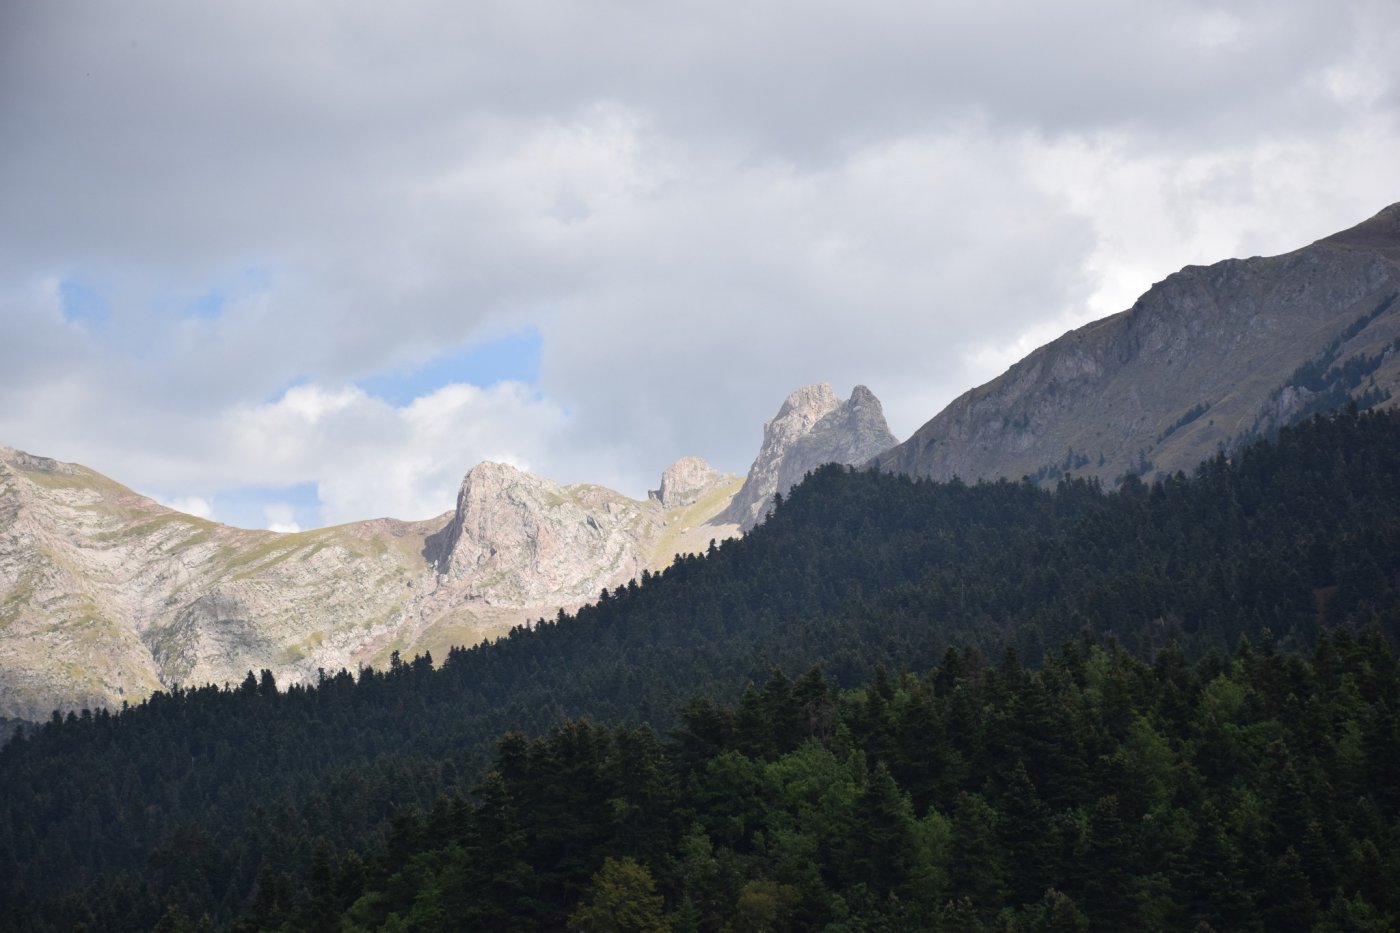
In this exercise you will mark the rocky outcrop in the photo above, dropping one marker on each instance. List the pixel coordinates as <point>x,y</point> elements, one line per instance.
<point>106,595</point>
<point>686,482</point>
<point>811,428</point>
<point>1204,361</point>
<point>521,540</point>
<point>847,434</point>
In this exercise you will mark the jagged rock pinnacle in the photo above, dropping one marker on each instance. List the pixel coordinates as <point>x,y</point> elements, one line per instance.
<point>811,428</point>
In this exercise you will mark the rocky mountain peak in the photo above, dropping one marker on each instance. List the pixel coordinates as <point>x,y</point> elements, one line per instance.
<point>811,428</point>
<point>802,409</point>
<point>517,539</point>
<point>686,482</point>
<point>29,463</point>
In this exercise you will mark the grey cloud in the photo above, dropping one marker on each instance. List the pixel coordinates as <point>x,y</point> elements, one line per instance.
<point>699,206</point>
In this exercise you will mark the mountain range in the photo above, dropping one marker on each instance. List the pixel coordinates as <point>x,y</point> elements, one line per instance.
<point>105,595</point>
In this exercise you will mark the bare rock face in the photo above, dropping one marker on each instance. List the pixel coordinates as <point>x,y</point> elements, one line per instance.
<point>811,428</point>
<point>686,482</point>
<point>847,434</point>
<point>1208,359</point>
<point>521,540</point>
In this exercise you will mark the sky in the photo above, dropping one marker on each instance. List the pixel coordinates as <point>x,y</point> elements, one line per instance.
<point>287,264</point>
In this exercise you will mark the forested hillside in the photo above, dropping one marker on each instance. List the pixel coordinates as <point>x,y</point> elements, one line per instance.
<point>1253,794</point>
<point>248,801</point>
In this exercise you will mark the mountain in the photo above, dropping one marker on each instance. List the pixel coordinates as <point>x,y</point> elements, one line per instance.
<point>520,540</point>
<point>208,799</point>
<point>1206,360</point>
<point>813,427</point>
<point>106,595</point>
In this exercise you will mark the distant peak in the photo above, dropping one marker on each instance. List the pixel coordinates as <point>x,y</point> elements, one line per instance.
<point>685,482</point>
<point>687,466</point>
<point>812,428</point>
<point>29,463</point>
<point>863,397</point>
<point>819,397</point>
<point>493,471</point>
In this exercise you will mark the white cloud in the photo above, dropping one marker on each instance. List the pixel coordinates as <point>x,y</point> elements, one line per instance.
<point>696,218</point>
<point>197,506</point>
<point>369,459</point>
<point>281,518</point>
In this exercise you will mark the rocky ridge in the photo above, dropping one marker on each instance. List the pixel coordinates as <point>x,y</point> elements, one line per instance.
<point>105,595</point>
<point>521,540</point>
<point>813,427</point>
<point>1207,359</point>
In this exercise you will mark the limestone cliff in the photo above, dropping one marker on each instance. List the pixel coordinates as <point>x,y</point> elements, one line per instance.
<point>1205,360</point>
<point>811,428</point>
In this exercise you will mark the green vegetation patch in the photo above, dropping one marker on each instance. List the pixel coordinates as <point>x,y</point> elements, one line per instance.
<point>154,524</point>
<point>17,600</point>
<point>278,548</point>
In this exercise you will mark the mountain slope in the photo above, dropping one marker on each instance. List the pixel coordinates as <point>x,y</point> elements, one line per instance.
<point>105,595</point>
<point>108,595</point>
<point>1207,359</point>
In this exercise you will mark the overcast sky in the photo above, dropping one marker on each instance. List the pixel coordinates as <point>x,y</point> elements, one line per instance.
<point>290,264</point>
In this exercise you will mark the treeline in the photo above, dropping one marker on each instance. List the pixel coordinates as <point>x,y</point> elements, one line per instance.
<point>1256,792</point>
<point>855,571</point>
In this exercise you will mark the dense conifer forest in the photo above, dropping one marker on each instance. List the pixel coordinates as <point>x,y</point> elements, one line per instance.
<point>1148,708</point>
<point>1256,793</point>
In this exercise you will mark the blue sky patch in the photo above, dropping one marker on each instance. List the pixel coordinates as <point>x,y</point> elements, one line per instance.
<point>514,357</point>
<point>82,305</point>
<point>247,506</point>
<point>208,306</point>
<point>224,291</point>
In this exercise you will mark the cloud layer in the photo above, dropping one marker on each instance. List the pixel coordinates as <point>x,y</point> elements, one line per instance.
<point>222,218</point>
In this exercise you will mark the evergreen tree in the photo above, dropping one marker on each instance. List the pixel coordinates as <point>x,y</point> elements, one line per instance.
<point>623,899</point>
